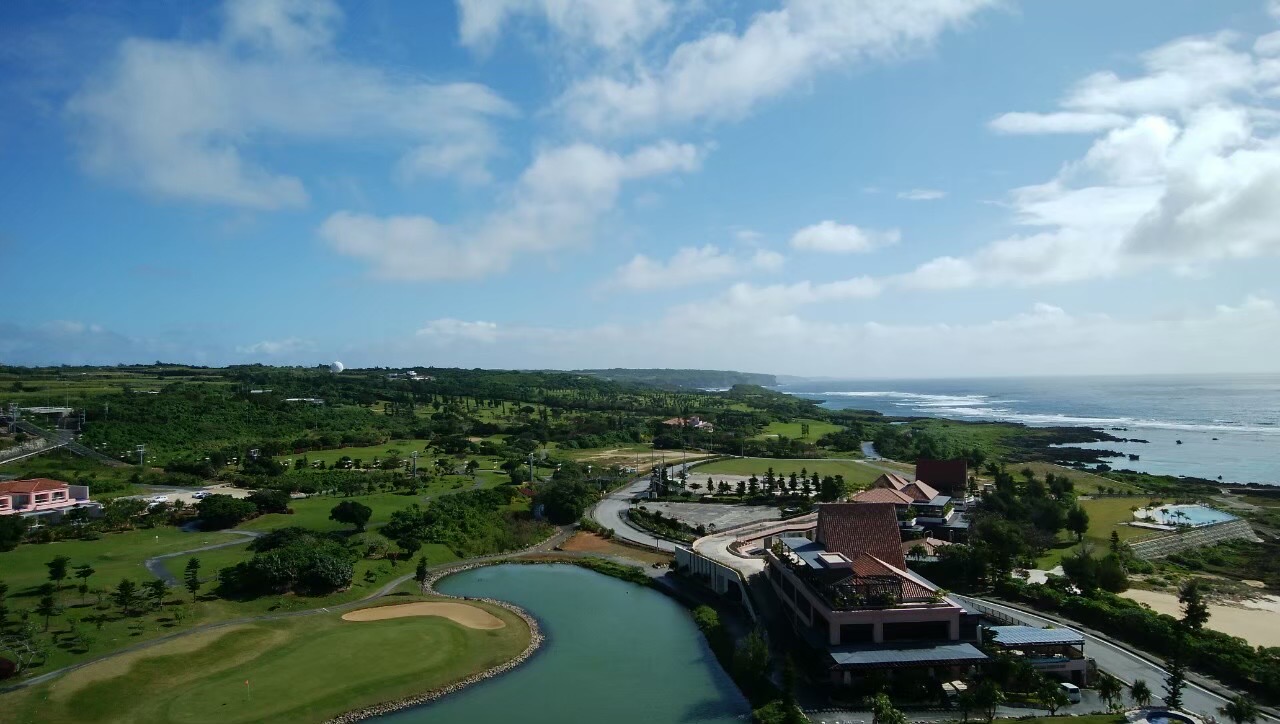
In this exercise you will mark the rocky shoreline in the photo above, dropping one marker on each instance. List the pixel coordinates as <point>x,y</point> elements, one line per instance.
<point>535,641</point>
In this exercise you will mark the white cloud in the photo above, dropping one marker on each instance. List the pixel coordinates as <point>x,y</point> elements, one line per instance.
<point>1060,122</point>
<point>606,24</point>
<point>454,330</point>
<point>556,204</point>
<point>922,195</point>
<point>829,236</point>
<point>290,347</point>
<point>1190,176</point>
<point>691,265</point>
<point>724,74</point>
<point>180,119</point>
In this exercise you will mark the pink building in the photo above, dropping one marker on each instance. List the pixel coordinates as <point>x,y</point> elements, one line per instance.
<point>49,499</point>
<point>848,593</point>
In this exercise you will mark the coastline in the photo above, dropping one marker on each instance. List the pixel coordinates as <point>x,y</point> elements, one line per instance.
<point>536,639</point>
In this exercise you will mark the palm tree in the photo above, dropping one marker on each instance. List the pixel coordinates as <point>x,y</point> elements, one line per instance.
<point>1110,690</point>
<point>1141,693</point>
<point>1241,710</point>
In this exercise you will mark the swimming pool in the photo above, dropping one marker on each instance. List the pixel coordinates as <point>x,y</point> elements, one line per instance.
<point>1193,515</point>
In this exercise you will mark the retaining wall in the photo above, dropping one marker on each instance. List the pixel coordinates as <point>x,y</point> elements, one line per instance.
<point>1162,546</point>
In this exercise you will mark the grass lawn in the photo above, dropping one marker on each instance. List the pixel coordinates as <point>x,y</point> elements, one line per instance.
<point>1105,515</point>
<point>817,428</point>
<point>365,454</point>
<point>114,556</point>
<point>854,472</point>
<point>1085,483</point>
<point>302,669</point>
<point>313,512</point>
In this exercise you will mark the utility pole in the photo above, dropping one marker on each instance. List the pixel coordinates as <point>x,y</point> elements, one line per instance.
<point>142,454</point>
<point>415,455</point>
<point>531,468</point>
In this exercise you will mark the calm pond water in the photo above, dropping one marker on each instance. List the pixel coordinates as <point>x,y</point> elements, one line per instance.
<point>614,652</point>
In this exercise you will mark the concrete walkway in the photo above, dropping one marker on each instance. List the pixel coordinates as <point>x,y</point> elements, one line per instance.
<point>156,565</point>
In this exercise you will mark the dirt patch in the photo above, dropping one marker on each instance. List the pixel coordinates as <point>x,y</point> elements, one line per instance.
<point>592,543</point>
<point>460,613</point>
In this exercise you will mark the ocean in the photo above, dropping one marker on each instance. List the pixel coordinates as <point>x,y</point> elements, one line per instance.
<point>1228,425</point>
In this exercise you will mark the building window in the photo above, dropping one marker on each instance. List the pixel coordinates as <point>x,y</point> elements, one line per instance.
<point>857,633</point>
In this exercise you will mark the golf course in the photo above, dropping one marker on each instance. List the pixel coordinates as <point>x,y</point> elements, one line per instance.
<point>309,668</point>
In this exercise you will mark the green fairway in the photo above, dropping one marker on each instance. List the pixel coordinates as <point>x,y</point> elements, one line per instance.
<point>854,472</point>
<point>365,454</point>
<point>1105,515</point>
<point>794,429</point>
<point>113,556</point>
<point>298,670</point>
<point>313,512</point>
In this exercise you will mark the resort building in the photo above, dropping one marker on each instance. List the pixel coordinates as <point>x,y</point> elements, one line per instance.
<point>48,499</point>
<point>951,477</point>
<point>1058,652</point>
<point>920,507</point>
<point>845,587</point>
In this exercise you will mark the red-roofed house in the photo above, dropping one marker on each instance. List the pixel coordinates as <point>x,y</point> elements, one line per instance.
<point>44,497</point>
<point>949,476</point>
<point>849,594</point>
<point>928,509</point>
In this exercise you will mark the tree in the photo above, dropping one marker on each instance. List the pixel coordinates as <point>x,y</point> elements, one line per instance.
<point>269,501</point>
<point>1240,710</point>
<point>1111,574</point>
<point>1111,691</point>
<point>84,572</point>
<point>155,591</point>
<point>1115,542</point>
<point>420,575</point>
<point>1078,522</point>
<point>191,576</point>
<point>564,501</point>
<point>12,530</point>
<point>1140,692</point>
<point>126,596</point>
<point>352,513</point>
<point>987,698</point>
<point>47,607</point>
<point>751,660</point>
<point>1174,683</point>
<point>883,711</point>
<point>223,511</point>
<point>58,571</point>
<point>1051,695</point>
<point>1195,610</point>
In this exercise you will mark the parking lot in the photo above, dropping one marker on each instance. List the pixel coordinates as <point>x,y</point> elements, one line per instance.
<point>718,514</point>
<point>187,495</point>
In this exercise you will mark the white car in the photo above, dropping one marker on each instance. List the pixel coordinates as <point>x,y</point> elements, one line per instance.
<point>200,494</point>
<point>158,499</point>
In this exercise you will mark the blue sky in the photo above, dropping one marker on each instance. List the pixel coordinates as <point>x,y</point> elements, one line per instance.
<point>854,188</point>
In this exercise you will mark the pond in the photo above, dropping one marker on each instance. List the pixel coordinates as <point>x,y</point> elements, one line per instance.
<point>614,652</point>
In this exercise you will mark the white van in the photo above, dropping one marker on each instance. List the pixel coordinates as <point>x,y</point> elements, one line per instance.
<point>1073,692</point>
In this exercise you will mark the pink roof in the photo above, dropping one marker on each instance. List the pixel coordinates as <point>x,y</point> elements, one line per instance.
<point>919,492</point>
<point>894,481</point>
<point>857,528</point>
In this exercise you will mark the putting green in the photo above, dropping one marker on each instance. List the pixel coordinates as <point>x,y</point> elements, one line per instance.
<point>294,670</point>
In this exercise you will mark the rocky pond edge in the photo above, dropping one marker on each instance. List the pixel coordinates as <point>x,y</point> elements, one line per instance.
<point>536,640</point>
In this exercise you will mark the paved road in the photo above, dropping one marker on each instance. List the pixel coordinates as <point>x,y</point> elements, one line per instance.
<point>1125,664</point>
<point>156,565</point>
<point>609,513</point>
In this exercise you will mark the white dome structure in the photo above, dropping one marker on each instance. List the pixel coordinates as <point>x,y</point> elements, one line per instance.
<point>336,367</point>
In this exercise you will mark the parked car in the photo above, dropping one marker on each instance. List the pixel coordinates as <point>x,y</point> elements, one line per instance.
<point>158,499</point>
<point>1073,692</point>
<point>200,494</point>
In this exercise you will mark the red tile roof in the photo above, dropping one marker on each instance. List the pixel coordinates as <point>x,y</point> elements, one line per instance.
<point>32,486</point>
<point>949,475</point>
<point>857,528</point>
<point>919,492</point>
<point>882,495</point>
<point>869,565</point>
<point>893,481</point>
<point>931,545</point>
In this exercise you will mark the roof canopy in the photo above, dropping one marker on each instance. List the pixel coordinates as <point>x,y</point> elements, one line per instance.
<point>903,655</point>
<point>1014,636</point>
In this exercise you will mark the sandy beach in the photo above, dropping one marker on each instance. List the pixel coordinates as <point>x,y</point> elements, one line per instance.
<point>1256,621</point>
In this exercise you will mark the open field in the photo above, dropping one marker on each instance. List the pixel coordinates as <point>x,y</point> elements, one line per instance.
<point>1085,482</point>
<point>302,669</point>
<point>638,455</point>
<point>855,473</point>
<point>365,454</point>
<point>1105,515</point>
<point>793,429</point>
<point>72,386</point>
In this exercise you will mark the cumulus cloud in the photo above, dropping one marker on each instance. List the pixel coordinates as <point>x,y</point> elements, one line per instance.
<point>606,24</point>
<point>691,265</point>
<point>181,119</point>
<point>1185,169</point>
<point>556,204</point>
<point>835,238</point>
<point>922,195</point>
<point>725,73</point>
<point>1236,337</point>
<point>289,347</point>
<point>453,330</point>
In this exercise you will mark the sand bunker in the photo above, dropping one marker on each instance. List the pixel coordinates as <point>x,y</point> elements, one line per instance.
<point>1256,623</point>
<point>459,613</point>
